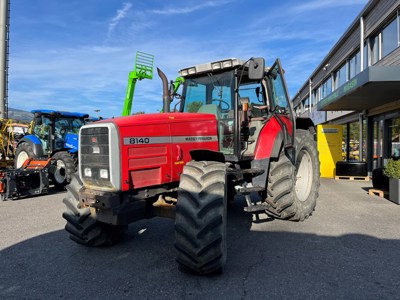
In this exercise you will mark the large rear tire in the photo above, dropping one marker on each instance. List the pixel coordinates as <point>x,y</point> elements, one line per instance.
<point>292,188</point>
<point>200,223</point>
<point>64,168</point>
<point>82,225</point>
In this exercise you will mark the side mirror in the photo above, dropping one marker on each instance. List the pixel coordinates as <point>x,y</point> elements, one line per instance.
<point>256,68</point>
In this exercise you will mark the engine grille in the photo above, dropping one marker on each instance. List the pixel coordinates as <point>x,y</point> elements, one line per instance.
<point>94,155</point>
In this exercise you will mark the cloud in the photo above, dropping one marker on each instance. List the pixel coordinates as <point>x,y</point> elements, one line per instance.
<point>98,74</point>
<point>92,74</point>
<point>318,4</point>
<point>121,14</point>
<point>188,9</point>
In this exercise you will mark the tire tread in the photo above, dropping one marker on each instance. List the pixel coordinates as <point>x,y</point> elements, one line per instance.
<point>281,199</point>
<point>200,224</point>
<point>82,226</point>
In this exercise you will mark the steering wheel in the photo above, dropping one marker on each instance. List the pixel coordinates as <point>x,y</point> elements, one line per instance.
<point>44,131</point>
<point>228,106</point>
<point>280,109</point>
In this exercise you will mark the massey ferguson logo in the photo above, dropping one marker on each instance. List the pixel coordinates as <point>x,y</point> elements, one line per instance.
<point>198,138</point>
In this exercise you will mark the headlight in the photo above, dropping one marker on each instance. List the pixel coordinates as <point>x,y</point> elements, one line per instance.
<point>104,173</point>
<point>88,172</point>
<point>95,150</point>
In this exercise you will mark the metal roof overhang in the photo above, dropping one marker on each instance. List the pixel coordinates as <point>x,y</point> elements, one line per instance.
<point>375,86</point>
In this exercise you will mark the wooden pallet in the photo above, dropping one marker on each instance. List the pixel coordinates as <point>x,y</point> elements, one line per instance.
<point>354,178</point>
<point>380,193</point>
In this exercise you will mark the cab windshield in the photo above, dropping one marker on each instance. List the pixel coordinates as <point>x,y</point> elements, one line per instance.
<point>213,94</point>
<point>214,90</point>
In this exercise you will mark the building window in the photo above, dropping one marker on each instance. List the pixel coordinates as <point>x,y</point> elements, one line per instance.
<point>315,96</point>
<point>389,38</point>
<point>306,104</point>
<point>328,84</point>
<point>365,56</point>
<point>354,65</point>
<point>385,42</point>
<point>322,91</point>
<point>394,137</point>
<point>340,76</point>
<point>326,88</point>
<point>374,44</point>
<point>319,93</point>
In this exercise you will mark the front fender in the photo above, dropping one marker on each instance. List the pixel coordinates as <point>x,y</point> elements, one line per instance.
<point>306,124</point>
<point>269,145</point>
<point>71,142</point>
<point>269,141</point>
<point>35,143</point>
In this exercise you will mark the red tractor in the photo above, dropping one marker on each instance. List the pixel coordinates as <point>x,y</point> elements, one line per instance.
<point>233,131</point>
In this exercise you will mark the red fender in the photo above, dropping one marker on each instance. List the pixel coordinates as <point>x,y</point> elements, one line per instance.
<point>271,138</point>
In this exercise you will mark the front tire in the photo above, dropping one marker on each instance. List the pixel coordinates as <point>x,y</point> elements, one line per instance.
<point>292,189</point>
<point>64,168</point>
<point>23,152</point>
<point>200,223</point>
<point>82,225</point>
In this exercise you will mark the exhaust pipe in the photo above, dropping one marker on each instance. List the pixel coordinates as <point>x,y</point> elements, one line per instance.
<point>166,96</point>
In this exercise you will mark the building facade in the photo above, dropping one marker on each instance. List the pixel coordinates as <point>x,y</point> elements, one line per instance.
<point>357,85</point>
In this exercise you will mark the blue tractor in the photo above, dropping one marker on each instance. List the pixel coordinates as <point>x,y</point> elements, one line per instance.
<point>53,134</point>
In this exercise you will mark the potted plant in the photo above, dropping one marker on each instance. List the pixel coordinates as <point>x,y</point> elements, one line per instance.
<point>392,170</point>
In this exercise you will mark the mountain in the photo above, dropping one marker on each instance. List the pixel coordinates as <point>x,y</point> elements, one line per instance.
<point>19,115</point>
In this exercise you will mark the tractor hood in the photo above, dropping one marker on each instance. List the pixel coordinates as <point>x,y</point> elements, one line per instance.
<point>148,149</point>
<point>159,118</point>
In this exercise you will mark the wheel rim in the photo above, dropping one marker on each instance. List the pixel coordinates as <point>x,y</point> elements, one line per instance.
<point>304,175</point>
<point>59,174</point>
<point>22,157</point>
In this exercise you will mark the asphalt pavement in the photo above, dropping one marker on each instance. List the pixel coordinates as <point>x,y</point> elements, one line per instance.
<point>348,249</point>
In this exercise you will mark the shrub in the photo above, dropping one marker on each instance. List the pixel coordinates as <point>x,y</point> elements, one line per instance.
<point>392,169</point>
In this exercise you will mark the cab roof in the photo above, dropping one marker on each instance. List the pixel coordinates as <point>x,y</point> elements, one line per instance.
<point>227,63</point>
<point>60,113</point>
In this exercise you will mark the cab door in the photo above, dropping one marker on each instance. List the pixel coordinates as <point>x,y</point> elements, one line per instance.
<point>281,106</point>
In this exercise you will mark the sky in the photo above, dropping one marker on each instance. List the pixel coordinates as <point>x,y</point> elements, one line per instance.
<point>76,55</point>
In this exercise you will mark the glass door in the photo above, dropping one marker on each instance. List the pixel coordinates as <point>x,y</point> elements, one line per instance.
<point>394,138</point>
<point>377,157</point>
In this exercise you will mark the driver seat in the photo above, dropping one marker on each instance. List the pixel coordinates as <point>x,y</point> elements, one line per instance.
<point>215,110</point>
<point>210,109</point>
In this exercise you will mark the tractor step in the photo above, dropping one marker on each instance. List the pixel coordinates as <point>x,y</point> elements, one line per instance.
<point>240,172</point>
<point>248,190</point>
<point>255,208</point>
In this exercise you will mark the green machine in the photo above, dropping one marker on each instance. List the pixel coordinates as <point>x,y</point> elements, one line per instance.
<point>143,69</point>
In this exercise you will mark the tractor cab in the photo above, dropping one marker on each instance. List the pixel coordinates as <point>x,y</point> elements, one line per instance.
<point>57,130</point>
<point>243,95</point>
